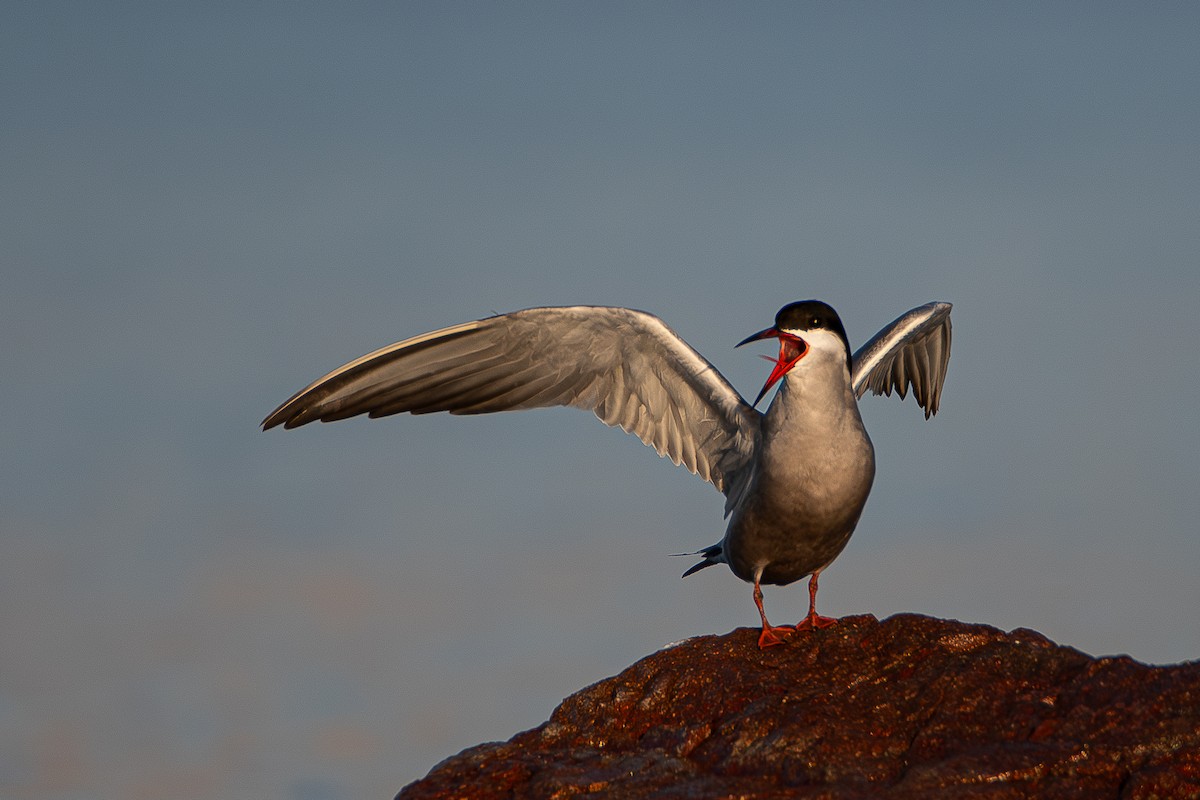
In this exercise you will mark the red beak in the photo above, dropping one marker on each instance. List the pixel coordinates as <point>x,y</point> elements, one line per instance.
<point>791,349</point>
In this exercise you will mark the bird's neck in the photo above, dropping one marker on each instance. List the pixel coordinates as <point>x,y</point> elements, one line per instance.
<point>815,394</point>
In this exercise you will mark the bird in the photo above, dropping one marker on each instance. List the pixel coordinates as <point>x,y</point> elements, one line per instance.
<point>795,477</point>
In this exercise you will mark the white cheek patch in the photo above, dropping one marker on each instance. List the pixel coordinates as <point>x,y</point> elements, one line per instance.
<point>821,343</point>
<point>827,342</point>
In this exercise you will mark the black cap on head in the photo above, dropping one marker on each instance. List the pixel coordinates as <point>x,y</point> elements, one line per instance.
<point>810,315</point>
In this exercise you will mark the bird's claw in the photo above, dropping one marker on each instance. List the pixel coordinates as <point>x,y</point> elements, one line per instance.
<point>771,636</point>
<point>814,621</point>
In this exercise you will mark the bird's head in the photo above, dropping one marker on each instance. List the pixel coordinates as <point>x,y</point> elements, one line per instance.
<point>802,327</point>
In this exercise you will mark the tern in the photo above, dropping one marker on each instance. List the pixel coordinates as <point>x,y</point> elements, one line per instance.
<point>795,478</point>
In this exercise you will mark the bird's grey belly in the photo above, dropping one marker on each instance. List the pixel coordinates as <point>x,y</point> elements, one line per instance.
<point>796,524</point>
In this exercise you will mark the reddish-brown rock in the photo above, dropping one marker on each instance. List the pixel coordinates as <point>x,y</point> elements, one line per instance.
<point>908,707</point>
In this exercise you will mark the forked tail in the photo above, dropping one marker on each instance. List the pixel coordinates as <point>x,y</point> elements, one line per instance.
<point>712,555</point>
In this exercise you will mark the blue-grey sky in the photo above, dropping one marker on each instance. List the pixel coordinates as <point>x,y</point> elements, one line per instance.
<point>204,208</point>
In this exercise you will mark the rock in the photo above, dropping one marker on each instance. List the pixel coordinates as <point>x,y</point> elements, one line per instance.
<point>911,707</point>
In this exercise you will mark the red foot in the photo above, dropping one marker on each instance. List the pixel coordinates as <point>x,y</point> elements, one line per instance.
<point>771,636</point>
<point>814,621</point>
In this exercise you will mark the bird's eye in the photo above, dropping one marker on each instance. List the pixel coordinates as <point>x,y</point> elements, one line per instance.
<point>815,322</point>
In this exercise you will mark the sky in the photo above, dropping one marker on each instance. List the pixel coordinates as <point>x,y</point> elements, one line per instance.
<point>206,207</point>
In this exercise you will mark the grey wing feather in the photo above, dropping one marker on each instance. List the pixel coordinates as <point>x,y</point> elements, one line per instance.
<point>914,350</point>
<point>626,366</point>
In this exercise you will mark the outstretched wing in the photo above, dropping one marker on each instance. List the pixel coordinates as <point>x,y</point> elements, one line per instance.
<point>626,366</point>
<point>913,351</point>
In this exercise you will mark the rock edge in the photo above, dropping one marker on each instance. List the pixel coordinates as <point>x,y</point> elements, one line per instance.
<point>907,707</point>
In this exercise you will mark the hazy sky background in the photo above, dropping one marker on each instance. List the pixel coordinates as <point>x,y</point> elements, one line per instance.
<point>204,208</point>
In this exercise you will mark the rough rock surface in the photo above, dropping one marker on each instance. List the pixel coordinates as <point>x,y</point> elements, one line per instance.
<point>908,707</point>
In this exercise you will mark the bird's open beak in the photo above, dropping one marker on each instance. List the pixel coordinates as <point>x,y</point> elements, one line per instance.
<point>791,349</point>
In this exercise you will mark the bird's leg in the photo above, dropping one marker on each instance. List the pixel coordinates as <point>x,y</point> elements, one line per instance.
<point>770,635</point>
<point>813,620</point>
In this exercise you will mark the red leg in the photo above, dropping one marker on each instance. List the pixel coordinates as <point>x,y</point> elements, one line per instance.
<point>770,635</point>
<point>813,620</point>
